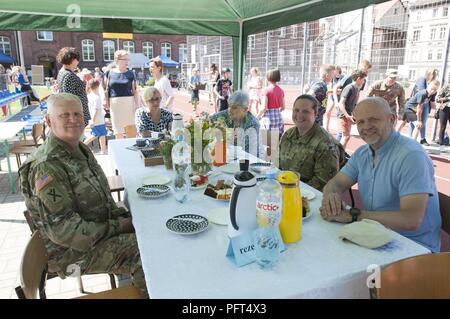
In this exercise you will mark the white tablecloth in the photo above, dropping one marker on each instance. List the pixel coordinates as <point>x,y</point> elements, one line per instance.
<point>175,266</point>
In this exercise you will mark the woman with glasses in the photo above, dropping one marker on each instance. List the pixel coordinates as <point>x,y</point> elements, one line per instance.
<point>151,117</point>
<point>121,96</point>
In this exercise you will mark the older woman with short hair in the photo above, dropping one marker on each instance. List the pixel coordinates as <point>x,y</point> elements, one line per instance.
<point>237,116</point>
<point>151,117</point>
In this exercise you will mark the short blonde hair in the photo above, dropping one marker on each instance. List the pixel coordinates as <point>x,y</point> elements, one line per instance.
<point>120,53</point>
<point>256,70</point>
<point>149,93</point>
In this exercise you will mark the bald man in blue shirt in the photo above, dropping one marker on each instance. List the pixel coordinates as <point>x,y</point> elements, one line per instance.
<point>395,178</point>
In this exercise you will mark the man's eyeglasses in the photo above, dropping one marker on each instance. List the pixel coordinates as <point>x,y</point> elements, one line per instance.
<point>123,59</point>
<point>154,99</point>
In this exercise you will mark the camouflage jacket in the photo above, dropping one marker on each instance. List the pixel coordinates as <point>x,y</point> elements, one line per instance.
<point>392,94</point>
<point>69,201</point>
<point>443,97</point>
<point>315,156</point>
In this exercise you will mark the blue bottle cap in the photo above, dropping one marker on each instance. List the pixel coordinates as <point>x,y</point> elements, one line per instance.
<point>271,174</point>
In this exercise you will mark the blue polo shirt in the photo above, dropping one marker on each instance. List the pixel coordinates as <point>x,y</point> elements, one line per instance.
<point>402,167</point>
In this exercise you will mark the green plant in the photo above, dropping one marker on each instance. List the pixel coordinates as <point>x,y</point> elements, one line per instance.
<point>166,147</point>
<point>150,82</point>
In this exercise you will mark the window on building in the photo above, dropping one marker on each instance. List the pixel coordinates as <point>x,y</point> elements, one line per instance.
<point>435,13</point>
<point>416,35</point>
<point>294,30</point>
<point>412,75</point>
<point>292,57</point>
<point>282,32</point>
<point>445,12</point>
<point>395,11</point>
<point>430,54</point>
<point>414,55</point>
<point>252,41</point>
<point>128,46</point>
<point>193,54</point>
<point>108,50</point>
<point>418,16</point>
<point>44,35</point>
<point>88,50</point>
<point>280,56</point>
<point>182,52</point>
<point>442,32</point>
<point>147,49</point>
<point>433,33</point>
<point>439,54</point>
<point>5,45</point>
<point>166,49</point>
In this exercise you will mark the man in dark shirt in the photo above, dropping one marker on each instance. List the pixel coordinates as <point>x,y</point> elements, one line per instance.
<point>349,98</point>
<point>415,107</point>
<point>364,66</point>
<point>319,90</point>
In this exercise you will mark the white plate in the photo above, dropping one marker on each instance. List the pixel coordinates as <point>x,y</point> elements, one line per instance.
<point>153,191</point>
<point>308,215</point>
<point>203,186</point>
<point>219,215</point>
<point>156,179</point>
<point>229,168</point>
<point>307,193</point>
<point>187,224</point>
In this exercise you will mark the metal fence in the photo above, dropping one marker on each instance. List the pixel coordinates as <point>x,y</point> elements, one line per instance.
<point>410,36</point>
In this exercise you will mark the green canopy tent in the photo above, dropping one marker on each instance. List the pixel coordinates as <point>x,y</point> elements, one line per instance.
<point>235,18</point>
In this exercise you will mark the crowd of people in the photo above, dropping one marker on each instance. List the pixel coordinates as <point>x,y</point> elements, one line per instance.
<point>66,191</point>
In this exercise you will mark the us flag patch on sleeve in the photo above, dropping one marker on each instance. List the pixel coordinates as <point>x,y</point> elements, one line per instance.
<point>43,181</point>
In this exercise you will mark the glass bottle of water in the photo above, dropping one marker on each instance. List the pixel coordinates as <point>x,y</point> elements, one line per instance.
<point>267,238</point>
<point>181,159</point>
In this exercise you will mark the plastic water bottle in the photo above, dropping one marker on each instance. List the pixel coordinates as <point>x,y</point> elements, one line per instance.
<point>267,238</point>
<point>181,158</point>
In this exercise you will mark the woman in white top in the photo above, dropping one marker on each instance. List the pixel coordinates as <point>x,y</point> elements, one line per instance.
<point>254,86</point>
<point>162,83</point>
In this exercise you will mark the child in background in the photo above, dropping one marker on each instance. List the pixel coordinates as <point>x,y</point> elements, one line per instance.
<point>195,81</point>
<point>97,122</point>
<point>224,88</point>
<point>273,102</point>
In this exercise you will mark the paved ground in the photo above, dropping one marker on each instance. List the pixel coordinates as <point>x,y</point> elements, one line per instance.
<point>14,231</point>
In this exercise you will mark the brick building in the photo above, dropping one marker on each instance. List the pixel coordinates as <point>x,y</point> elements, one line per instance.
<point>41,47</point>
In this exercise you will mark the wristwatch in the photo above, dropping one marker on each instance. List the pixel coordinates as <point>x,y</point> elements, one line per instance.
<point>355,212</point>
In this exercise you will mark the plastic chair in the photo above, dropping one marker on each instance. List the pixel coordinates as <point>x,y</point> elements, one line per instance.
<point>444,205</point>
<point>424,277</point>
<point>33,275</point>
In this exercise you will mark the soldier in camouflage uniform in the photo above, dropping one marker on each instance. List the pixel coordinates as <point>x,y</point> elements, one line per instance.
<point>307,148</point>
<point>391,91</point>
<point>67,195</point>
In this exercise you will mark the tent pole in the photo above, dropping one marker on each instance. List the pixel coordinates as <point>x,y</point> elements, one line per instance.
<point>240,57</point>
<point>20,45</point>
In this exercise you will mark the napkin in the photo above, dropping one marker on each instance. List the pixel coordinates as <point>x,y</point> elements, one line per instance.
<point>367,233</point>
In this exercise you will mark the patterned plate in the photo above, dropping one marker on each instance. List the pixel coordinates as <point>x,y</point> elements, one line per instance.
<point>187,224</point>
<point>260,168</point>
<point>153,191</point>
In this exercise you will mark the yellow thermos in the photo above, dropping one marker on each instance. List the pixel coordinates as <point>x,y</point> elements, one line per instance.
<point>291,218</point>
